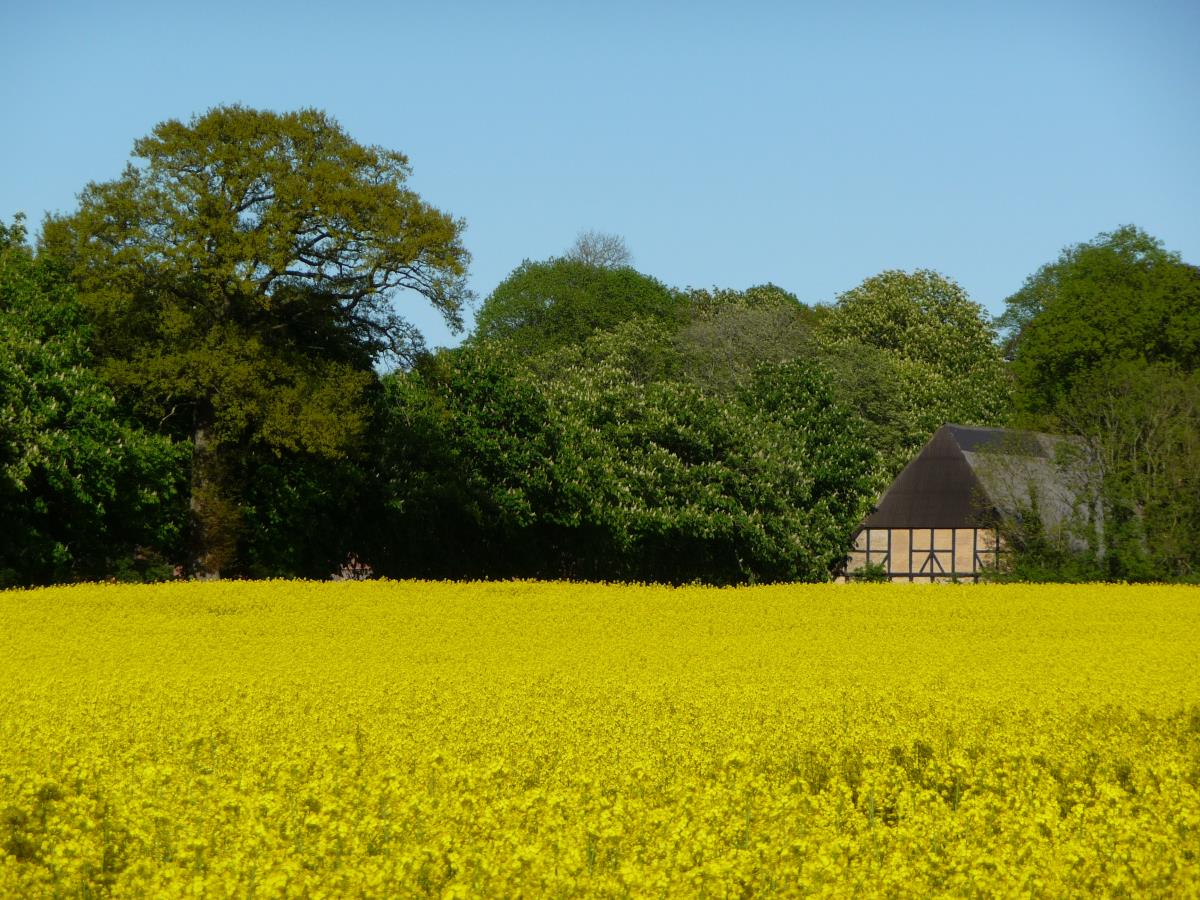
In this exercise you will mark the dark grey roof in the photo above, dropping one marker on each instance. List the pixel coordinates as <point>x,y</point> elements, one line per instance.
<point>975,477</point>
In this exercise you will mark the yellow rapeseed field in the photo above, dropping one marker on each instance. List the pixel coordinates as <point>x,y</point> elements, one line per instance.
<point>559,740</point>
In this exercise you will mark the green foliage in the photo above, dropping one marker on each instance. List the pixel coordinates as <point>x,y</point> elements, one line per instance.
<point>465,456</point>
<point>1106,345</point>
<point>910,352</point>
<point>302,515</point>
<point>872,572</point>
<point>643,349</point>
<point>730,333</point>
<point>264,220</point>
<point>1119,298</point>
<point>1043,559</point>
<point>683,485</point>
<point>542,306</point>
<point>897,408</point>
<point>82,495</point>
<point>921,316</point>
<point>1142,427</point>
<point>1066,551</point>
<point>842,473</point>
<point>705,303</point>
<point>241,280</point>
<point>233,290</point>
<point>608,469</point>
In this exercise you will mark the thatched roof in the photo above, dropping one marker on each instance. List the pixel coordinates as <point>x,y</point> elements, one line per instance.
<point>967,477</point>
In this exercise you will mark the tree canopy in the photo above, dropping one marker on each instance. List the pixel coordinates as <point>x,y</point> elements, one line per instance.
<point>1105,343</point>
<point>603,463</point>
<point>729,333</point>
<point>913,352</point>
<point>241,279</point>
<point>81,492</point>
<point>191,381</point>
<point>1118,298</point>
<point>544,305</point>
<point>597,248</point>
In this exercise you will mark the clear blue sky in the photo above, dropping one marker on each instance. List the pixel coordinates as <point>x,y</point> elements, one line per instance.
<point>808,144</point>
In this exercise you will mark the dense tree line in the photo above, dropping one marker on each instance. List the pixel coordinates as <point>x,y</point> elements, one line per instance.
<point>1105,345</point>
<point>204,372</point>
<point>82,488</point>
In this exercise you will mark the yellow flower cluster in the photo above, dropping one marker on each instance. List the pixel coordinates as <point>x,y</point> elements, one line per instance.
<point>522,739</point>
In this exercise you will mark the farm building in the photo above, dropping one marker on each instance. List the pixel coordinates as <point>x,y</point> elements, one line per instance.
<point>944,517</point>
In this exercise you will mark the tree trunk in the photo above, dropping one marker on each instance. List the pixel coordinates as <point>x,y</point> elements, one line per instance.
<point>214,517</point>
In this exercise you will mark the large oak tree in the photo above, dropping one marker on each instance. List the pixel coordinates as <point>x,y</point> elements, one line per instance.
<point>241,275</point>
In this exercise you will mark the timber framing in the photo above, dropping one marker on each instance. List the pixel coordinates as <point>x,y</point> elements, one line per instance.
<point>945,516</point>
<point>928,554</point>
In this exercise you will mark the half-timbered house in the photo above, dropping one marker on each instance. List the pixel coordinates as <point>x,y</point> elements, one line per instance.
<point>945,516</point>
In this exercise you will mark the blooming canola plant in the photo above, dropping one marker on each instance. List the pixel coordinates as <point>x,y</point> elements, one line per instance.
<point>540,739</point>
